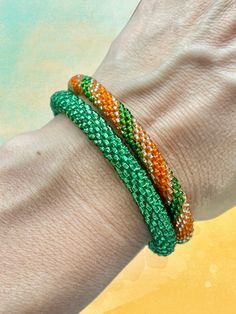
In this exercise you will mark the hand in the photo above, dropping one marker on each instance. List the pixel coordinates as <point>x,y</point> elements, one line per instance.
<point>173,65</point>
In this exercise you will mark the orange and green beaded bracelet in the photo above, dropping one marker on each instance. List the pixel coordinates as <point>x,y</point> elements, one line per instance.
<point>145,150</point>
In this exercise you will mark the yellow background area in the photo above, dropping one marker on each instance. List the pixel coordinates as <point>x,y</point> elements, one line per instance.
<point>198,278</point>
<point>44,43</point>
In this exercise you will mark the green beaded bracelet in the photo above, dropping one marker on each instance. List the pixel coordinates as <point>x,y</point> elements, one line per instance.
<point>132,174</point>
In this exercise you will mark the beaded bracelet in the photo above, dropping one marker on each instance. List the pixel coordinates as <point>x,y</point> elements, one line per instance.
<point>145,150</point>
<point>132,174</point>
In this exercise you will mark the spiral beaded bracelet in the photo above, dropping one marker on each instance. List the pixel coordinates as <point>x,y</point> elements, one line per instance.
<point>145,150</point>
<point>132,174</point>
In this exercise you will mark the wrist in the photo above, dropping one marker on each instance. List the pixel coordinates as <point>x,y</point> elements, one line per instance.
<point>159,114</point>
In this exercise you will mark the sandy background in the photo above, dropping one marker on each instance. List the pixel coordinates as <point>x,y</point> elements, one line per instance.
<point>43,43</point>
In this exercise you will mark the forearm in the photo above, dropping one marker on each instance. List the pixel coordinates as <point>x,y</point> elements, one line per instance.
<point>62,245</point>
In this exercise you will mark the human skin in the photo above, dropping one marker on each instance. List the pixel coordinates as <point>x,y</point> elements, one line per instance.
<point>68,225</point>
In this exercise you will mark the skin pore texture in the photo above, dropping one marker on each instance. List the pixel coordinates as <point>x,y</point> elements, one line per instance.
<point>68,225</point>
